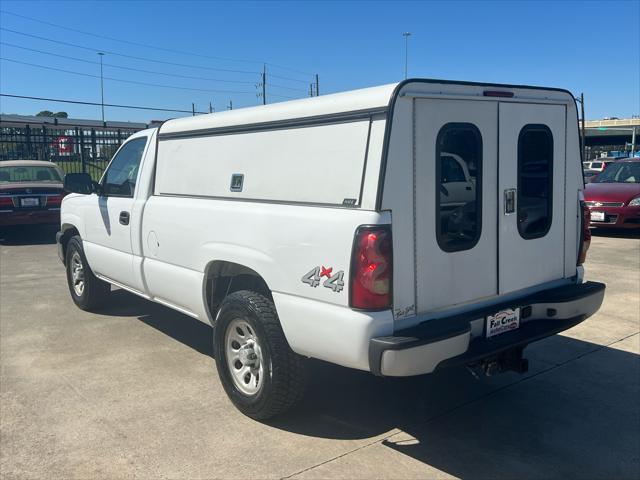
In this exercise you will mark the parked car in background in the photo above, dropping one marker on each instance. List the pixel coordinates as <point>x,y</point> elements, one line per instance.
<point>589,175</point>
<point>614,196</point>
<point>30,192</point>
<point>599,164</point>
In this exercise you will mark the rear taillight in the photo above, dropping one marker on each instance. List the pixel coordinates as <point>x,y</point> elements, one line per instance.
<point>372,268</point>
<point>54,200</point>
<point>6,202</point>
<point>585,235</point>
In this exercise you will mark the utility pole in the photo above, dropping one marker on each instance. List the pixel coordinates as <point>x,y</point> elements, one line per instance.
<point>193,109</point>
<point>582,129</point>
<point>264,84</point>
<point>406,36</point>
<point>230,107</point>
<point>100,54</point>
<point>582,134</point>
<point>317,85</point>
<point>584,138</point>
<point>210,108</point>
<point>311,89</point>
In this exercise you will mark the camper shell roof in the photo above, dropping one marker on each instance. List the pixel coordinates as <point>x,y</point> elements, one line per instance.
<point>350,104</point>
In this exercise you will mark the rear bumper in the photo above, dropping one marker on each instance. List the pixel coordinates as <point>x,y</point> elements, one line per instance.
<point>617,217</point>
<point>460,339</point>
<point>29,217</point>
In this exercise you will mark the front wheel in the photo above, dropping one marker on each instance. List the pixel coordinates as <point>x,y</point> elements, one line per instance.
<point>87,291</point>
<point>260,373</point>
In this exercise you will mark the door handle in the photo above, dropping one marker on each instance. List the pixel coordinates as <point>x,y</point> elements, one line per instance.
<point>124,218</point>
<point>509,201</point>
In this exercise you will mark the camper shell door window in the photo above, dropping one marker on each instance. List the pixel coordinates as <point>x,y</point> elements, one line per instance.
<point>535,181</point>
<point>458,186</point>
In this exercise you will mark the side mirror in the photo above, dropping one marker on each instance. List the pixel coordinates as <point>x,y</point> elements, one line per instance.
<point>79,183</point>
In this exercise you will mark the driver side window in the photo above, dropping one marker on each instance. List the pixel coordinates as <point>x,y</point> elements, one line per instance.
<point>121,175</point>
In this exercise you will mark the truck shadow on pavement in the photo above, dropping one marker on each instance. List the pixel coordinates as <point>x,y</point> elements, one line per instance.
<point>564,419</point>
<point>573,415</point>
<point>176,325</point>
<point>28,235</point>
<point>616,233</point>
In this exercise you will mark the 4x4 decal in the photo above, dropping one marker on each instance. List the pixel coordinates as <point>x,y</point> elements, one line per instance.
<point>334,281</point>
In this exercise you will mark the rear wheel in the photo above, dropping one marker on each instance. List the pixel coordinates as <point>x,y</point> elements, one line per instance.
<point>87,291</point>
<point>260,373</point>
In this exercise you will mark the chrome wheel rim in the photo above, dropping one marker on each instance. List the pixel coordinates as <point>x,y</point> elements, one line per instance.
<point>244,357</point>
<point>77,274</point>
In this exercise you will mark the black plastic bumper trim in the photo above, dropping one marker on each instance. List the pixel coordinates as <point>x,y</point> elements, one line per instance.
<point>435,330</point>
<point>480,348</point>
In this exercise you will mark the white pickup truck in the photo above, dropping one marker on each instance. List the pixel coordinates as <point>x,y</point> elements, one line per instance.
<point>397,229</point>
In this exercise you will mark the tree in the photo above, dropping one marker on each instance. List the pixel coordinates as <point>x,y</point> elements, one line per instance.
<point>49,113</point>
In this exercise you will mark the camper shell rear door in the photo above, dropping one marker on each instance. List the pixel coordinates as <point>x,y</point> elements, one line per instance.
<point>476,187</point>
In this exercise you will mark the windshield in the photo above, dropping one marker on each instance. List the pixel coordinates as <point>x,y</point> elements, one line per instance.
<point>624,172</point>
<point>29,173</point>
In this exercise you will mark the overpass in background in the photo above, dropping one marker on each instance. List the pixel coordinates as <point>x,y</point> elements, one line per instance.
<point>611,131</point>
<point>615,134</point>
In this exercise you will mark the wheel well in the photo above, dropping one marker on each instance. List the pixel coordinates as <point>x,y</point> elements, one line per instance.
<point>69,231</point>
<point>223,278</point>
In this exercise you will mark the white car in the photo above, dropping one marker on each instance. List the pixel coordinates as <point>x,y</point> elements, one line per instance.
<point>599,164</point>
<point>398,230</point>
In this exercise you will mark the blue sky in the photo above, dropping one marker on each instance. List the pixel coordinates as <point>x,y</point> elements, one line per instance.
<point>591,47</point>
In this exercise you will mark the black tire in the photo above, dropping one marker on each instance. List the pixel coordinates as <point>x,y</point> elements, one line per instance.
<point>95,291</point>
<point>284,376</point>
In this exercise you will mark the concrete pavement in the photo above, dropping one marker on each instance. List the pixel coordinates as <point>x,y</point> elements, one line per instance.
<point>133,392</point>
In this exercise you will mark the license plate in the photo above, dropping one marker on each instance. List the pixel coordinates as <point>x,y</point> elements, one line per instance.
<point>597,216</point>
<point>503,321</point>
<point>29,202</point>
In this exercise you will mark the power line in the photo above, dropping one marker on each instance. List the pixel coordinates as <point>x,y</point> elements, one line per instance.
<point>271,94</point>
<point>248,82</point>
<point>144,59</point>
<point>181,52</point>
<point>154,72</point>
<point>273,85</point>
<point>78,102</point>
<point>287,78</point>
<point>125,81</point>
<point>110,52</point>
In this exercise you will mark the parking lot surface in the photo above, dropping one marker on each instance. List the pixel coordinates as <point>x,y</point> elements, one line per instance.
<point>132,392</point>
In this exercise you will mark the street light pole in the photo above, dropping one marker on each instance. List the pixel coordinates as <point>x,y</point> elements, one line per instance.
<point>406,36</point>
<point>100,54</point>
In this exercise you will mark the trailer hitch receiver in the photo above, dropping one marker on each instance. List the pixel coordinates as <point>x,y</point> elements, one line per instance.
<point>509,360</point>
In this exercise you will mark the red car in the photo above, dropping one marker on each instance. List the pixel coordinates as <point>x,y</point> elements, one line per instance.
<point>614,196</point>
<point>30,192</point>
